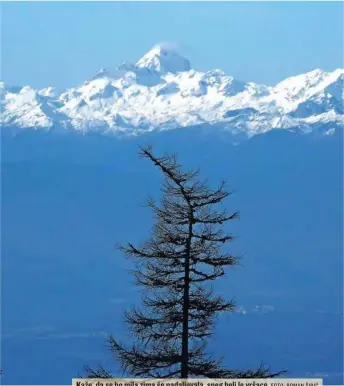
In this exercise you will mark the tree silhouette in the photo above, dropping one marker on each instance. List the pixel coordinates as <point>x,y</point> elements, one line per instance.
<point>175,268</point>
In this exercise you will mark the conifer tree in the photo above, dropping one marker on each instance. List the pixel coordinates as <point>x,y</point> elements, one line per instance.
<point>176,267</point>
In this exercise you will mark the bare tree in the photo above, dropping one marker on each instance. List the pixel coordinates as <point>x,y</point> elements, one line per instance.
<point>175,268</point>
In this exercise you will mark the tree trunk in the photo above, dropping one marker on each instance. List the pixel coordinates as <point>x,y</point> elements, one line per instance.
<point>186,305</point>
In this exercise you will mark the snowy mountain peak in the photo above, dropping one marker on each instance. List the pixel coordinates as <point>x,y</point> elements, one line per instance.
<point>302,81</point>
<point>164,59</point>
<point>309,80</point>
<point>161,93</point>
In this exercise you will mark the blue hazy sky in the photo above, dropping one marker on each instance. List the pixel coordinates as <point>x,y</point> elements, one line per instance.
<point>63,44</point>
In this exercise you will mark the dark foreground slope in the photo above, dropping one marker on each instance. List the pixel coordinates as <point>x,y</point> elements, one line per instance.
<point>66,202</point>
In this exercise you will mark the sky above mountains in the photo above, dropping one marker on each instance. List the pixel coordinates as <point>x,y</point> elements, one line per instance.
<point>62,44</point>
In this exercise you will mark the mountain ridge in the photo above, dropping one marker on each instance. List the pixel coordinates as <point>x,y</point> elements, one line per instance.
<point>162,92</point>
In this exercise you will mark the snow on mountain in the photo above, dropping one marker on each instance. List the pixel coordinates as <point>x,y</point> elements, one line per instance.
<point>163,59</point>
<point>162,92</point>
<point>291,92</point>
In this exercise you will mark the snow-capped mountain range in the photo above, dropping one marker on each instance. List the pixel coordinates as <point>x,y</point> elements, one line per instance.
<point>162,92</point>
